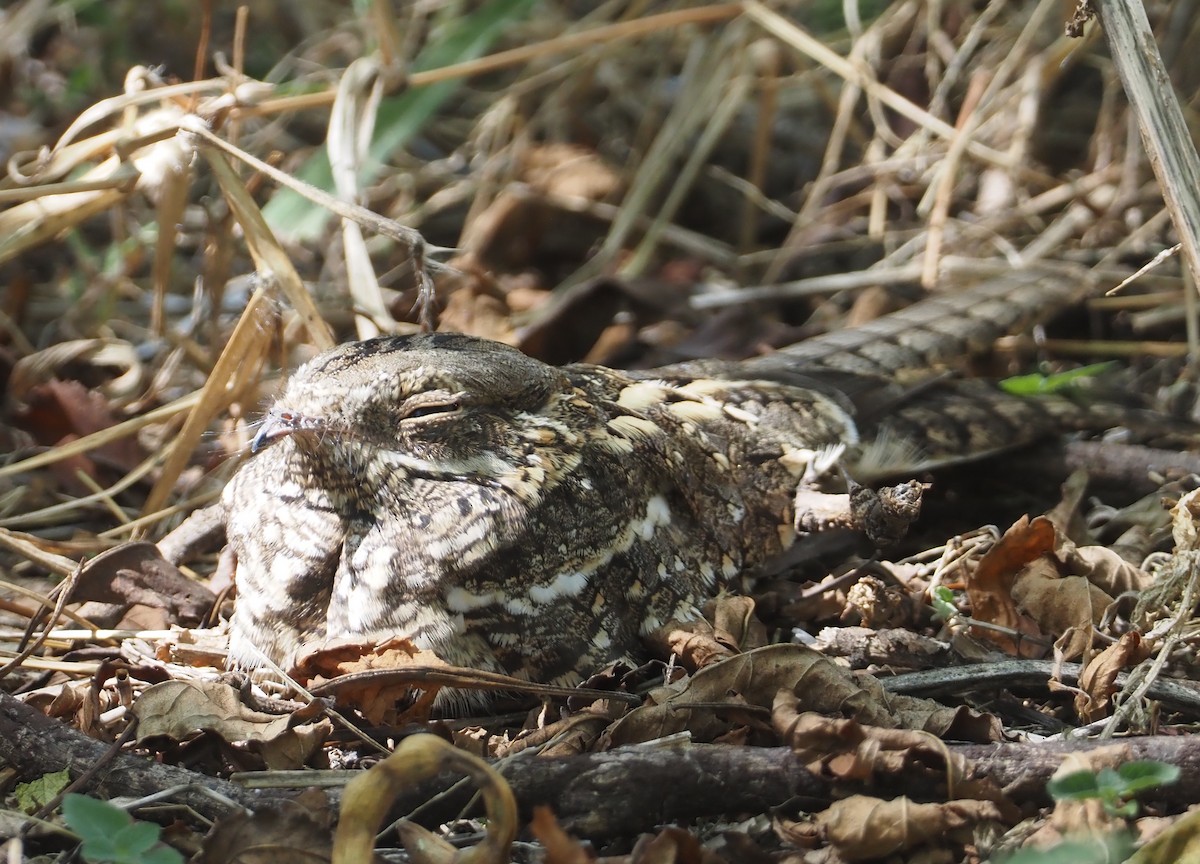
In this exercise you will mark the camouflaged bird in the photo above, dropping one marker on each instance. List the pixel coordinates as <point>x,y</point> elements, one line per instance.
<point>539,521</point>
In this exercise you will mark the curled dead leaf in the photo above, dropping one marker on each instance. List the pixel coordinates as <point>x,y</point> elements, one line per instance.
<point>989,587</point>
<point>420,757</point>
<point>137,573</point>
<point>376,696</point>
<point>861,828</point>
<point>1105,569</point>
<point>560,847</point>
<point>707,703</point>
<point>1060,603</point>
<point>1097,681</point>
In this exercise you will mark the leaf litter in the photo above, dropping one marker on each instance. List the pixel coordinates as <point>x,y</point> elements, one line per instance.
<point>628,187</point>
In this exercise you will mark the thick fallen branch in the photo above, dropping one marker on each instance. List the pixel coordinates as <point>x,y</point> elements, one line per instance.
<point>607,795</point>
<point>33,745</point>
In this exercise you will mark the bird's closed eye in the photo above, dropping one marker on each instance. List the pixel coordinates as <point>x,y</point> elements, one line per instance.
<point>430,409</point>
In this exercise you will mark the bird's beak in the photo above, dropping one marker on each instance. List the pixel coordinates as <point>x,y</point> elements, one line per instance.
<point>276,424</point>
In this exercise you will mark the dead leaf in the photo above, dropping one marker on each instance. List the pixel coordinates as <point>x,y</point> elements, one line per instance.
<point>696,643</point>
<point>560,847</point>
<point>1097,681</point>
<point>136,573</point>
<point>669,846</point>
<point>1059,604</point>
<point>377,697</point>
<point>1075,816</point>
<point>1178,842</point>
<point>860,827</point>
<point>708,703</point>
<point>1105,569</point>
<point>279,830</point>
<point>540,213</point>
<point>989,587</point>
<point>477,309</point>
<point>60,411</point>
<point>728,626</point>
<point>179,710</point>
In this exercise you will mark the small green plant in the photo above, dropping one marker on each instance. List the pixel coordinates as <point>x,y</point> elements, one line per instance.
<point>1038,384</point>
<point>1116,789</point>
<point>35,794</point>
<point>942,601</point>
<point>111,836</point>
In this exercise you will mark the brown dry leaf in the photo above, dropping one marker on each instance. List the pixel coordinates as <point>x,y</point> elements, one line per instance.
<point>860,827</point>
<point>1097,682</point>
<point>847,750</point>
<point>59,700</point>
<point>989,587</point>
<point>180,709</point>
<point>670,846</point>
<point>1059,604</point>
<point>1087,816</point>
<point>863,698</point>
<point>879,605</point>
<point>57,412</point>
<point>728,626</point>
<point>137,573</point>
<point>1104,568</point>
<point>755,676</point>
<point>812,736</point>
<point>703,704</point>
<point>375,697</point>
<point>477,308</point>
<point>733,616</point>
<point>803,833</point>
<point>570,171</point>
<point>559,846</point>
<point>696,643</point>
<point>280,830</point>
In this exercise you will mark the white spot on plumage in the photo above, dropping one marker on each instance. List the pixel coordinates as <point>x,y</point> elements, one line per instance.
<point>695,411</point>
<point>459,599</point>
<point>562,585</point>
<point>658,513</point>
<point>642,395</point>
<point>636,428</point>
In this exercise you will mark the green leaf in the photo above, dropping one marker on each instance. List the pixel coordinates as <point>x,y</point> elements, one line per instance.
<point>111,836</point>
<point>1146,774</point>
<point>1037,384</point>
<point>1074,787</point>
<point>162,855</point>
<point>296,219</point>
<point>35,794</point>
<point>943,603</point>
<point>139,838</point>
<point>89,817</point>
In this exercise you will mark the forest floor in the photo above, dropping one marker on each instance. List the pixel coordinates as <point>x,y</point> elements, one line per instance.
<point>198,201</point>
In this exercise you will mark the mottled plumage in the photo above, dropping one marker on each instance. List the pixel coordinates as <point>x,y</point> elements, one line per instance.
<point>538,521</point>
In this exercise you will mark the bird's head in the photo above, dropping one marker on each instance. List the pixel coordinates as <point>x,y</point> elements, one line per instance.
<point>442,406</point>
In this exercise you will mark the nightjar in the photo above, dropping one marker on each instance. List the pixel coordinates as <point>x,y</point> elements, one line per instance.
<point>539,521</point>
